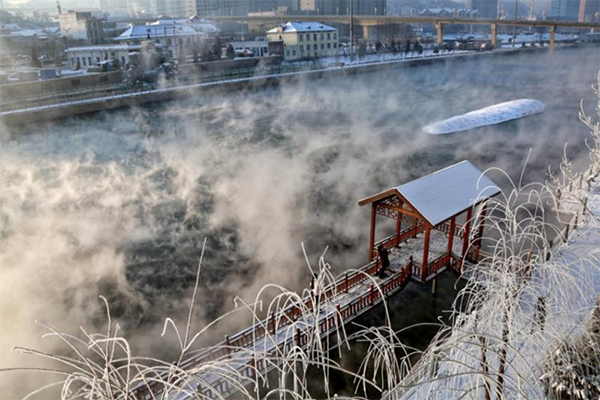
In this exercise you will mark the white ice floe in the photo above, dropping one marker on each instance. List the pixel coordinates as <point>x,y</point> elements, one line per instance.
<point>492,115</point>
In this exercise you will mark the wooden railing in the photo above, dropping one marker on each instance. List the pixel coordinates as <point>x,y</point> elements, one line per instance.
<point>445,260</point>
<point>445,227</point>
<point>398,238</point>
<point>247,337</point>
<point>409,233</point>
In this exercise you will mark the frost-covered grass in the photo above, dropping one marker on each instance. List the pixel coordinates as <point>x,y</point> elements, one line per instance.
<point>102,365</point>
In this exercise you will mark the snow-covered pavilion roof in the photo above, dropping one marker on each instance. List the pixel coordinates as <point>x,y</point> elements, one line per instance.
<point>445,193</point>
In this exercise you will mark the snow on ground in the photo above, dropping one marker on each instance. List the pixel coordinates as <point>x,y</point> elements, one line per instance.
<point>377,58</point>
<point>506,38</point>
<point>492,115</point>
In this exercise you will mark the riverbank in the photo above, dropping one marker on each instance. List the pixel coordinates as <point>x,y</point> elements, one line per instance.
<point>60,110</point>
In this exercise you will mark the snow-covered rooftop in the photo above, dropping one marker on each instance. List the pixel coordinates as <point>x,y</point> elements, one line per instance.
<point>137,32</point>
<point>106,47</point>
<point>302,27</point>
<point>445,193</point>
<point>448,192</point>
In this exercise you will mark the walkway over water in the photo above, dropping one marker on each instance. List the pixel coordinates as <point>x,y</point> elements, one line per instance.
<point>431,244</point>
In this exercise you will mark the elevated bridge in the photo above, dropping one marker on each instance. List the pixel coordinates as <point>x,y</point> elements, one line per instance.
<point>432,242</point>
<point>367,21</point>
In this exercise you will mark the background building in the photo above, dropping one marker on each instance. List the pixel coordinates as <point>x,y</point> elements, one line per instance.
<point>564,10</point>
<point>304,40</point>
<point>174,39</point>
<point>176,8</point>
<point>589,10</point>
<point>88,56</point>
<point>486,8</point>
<point>342,7</point>
<point>82,25</point>
<point>208,8</point>
<point>129,7</point>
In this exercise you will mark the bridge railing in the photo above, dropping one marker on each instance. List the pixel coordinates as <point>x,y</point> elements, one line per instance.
<point>273,323</point>
<point>445,227</point>
<point>397,238</point>
<point>286,317</point>
<point>445,260</point>
<point>334,320</point>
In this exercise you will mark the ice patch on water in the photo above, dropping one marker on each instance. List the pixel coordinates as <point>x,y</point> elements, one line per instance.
<point>492,115</point>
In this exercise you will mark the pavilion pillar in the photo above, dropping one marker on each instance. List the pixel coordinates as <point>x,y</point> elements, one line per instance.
<point>494,29</point>
<point>466,236</point>
<point>372,235</point>
<point>451,234</point>
<point>425,253</point>
<point>481,224</point>
<point>398,226</point>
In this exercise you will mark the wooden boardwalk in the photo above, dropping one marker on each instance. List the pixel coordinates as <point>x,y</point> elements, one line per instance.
<point>352,294</point>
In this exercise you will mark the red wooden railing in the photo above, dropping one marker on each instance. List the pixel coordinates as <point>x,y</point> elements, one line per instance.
<point>445,227</point>
<point>398,238</point>
<point>445,260</point>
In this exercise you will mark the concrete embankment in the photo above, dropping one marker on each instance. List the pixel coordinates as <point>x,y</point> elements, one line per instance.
<point>78,107</point>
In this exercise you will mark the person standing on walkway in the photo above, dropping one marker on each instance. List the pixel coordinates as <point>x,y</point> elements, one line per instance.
<point>384,260</point>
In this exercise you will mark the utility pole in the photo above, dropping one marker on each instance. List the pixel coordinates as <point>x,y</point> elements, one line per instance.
<point>531,15</point>
<point>351,31</point>
<point>515,26</point>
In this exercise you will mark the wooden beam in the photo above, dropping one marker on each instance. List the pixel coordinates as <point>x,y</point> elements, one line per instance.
<point>399,221</point>
<point>378,196</point>
<point>402,211</point>
<point>372,235</point>
<point>425,254</point>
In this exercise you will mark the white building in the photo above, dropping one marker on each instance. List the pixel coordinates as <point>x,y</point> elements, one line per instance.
<point>88,56</point>
<point>82,25</point>
<point>260,48</point>
<point>173,38</point>
<point>302,40</point>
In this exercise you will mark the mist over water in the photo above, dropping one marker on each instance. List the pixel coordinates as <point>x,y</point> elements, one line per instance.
<point>118,203</point>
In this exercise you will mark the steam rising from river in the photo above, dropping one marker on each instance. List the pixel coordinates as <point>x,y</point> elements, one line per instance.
<point>118,204</point>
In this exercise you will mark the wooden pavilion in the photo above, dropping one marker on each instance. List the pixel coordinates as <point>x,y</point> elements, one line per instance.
<point>432,204</point>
